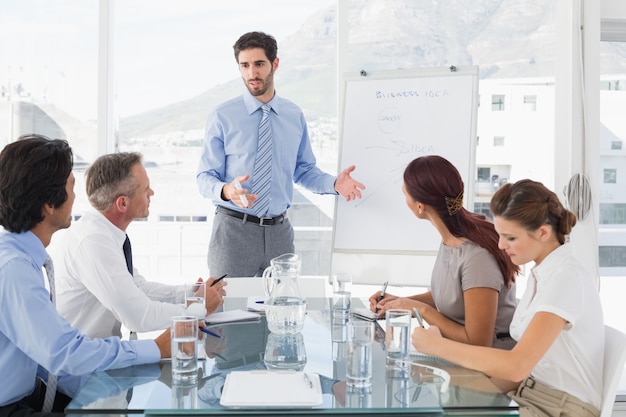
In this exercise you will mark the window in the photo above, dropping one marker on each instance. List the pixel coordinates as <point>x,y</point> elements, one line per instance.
<point>616,145</point>
<point>612,256</point>
<point>497,102</point>
<point>482,208</point>
<point>483,174</point>
<point>498,141</point>
<point>610,176</point>
<point>530,103</point>
<point>613,213</point>
<point>48,77</point>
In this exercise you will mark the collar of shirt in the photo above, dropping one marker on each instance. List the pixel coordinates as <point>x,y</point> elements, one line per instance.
<point>253,104</point>
<point>552,262</point>
<point>99,218</point>
<point>29,244</point>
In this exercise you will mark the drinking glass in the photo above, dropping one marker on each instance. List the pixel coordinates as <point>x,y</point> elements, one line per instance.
<point>184,396</point>
<point>184,349</point>
<point>341,291</point>
<point>359,353</point>
<point>195,293</point>
<point>358,397</point>
<point>397,336</point>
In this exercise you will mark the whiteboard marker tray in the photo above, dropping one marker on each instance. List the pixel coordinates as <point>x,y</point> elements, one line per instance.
<point>271,389</point>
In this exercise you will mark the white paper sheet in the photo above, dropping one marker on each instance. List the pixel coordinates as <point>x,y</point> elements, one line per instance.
<point>231,316</point>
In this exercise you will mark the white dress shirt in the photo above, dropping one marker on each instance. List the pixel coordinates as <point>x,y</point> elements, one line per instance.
<point>561,285</point>
<point>95,291</point>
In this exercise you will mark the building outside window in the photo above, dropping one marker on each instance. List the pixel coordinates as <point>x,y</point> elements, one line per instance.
<point>530,102</point>
<point>483,174</point>
<point>48,77</point>
<point>613,213</point>
<point>610,176</point>
<point>497,102</point>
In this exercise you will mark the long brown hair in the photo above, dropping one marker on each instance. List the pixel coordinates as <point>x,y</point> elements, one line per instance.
<point>434,181</point>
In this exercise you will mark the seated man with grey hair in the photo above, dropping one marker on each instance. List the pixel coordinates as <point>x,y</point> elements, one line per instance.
<point>97,287</point>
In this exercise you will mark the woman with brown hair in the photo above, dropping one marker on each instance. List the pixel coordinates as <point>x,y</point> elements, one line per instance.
<point>555,368</point>
<point>472,294</point>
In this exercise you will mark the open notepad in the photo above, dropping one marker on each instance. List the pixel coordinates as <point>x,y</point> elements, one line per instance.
<point>267,388</point>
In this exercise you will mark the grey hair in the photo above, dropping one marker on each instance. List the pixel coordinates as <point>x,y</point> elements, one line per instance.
<point>111,176</point>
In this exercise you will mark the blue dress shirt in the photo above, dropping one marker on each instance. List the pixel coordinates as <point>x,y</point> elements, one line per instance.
<point>230,145</point>
<point>34,338</point>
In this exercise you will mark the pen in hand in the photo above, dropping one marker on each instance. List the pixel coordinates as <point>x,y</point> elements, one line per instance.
<point>382,294</point>
<point>218,280</point>
<point>418,316</point>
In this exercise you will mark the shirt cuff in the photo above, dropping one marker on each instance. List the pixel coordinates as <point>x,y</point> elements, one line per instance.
<point>330,186</point>
<point>147,351</point>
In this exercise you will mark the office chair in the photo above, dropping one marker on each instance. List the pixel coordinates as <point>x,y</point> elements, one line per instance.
<point>614,358</point>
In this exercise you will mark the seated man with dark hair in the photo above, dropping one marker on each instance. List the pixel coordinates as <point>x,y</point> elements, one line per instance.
<point>37,344</point>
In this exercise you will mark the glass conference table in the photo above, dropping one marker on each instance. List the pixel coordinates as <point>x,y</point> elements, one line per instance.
<point>414,389</point>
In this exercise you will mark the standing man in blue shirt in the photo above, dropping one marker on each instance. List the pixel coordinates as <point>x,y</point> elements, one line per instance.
<point>250,227</point>
<point>36,197</point>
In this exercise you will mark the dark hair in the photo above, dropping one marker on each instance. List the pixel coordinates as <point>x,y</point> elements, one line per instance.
<point>111,176</point>
<point>257,40</point>
<point>434,181</point>
<point>33,171</point>
<point>532,204</point>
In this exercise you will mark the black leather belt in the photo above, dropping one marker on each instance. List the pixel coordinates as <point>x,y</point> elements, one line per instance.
<point>261,221</point>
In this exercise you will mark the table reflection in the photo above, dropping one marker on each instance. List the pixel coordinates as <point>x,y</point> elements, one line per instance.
<point>319,348</point>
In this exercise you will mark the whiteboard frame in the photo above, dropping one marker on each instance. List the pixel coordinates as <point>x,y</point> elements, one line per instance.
<point>398,267</point>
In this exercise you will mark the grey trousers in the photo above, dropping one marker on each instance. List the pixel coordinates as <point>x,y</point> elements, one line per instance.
<point>244,249</point>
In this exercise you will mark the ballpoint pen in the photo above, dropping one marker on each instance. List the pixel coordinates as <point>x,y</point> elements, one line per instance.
<point>382,293</point>
<point>209,332</point>
<point>218,280</point>
<point>418,316</point>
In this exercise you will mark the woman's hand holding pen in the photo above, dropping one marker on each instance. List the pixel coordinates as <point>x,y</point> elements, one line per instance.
<point>426,340</point>
<point>392,301</point>
<point>403,303</point>
<point>380,305</point>
<point>214,293</point>
<point>374,300</point>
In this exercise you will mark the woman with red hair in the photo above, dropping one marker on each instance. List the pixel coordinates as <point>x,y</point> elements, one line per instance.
<point>472,293</point>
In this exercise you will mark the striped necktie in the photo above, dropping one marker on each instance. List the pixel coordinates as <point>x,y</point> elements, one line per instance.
<point>51,385</point>
<point>262,176</point>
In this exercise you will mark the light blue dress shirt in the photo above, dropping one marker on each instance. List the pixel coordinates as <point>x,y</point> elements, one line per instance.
<point>230,145</point>
<point>35,338</point>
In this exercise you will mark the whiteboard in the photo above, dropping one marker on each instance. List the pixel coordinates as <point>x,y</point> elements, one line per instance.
<point>388,119</point>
